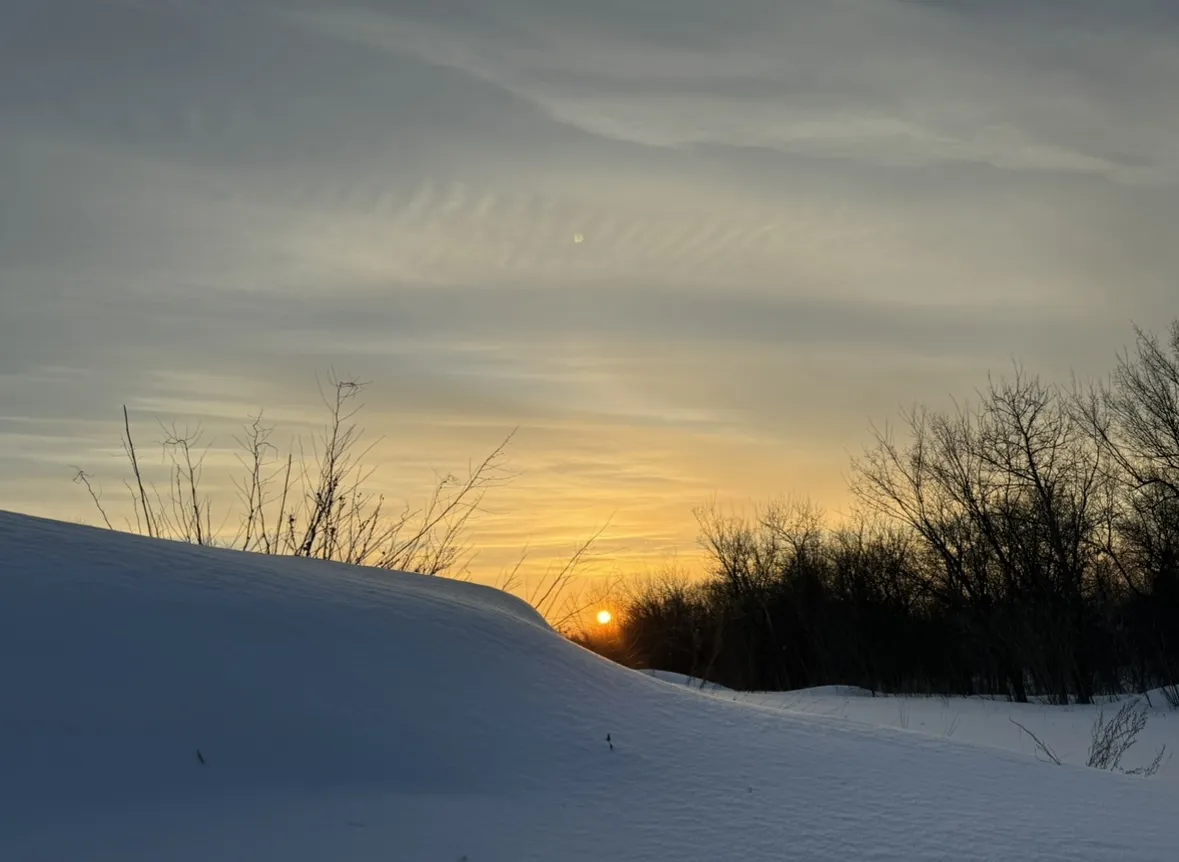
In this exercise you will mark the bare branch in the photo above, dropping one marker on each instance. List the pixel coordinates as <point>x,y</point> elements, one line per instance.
<point>83,478</point>
<point>1040,744</point>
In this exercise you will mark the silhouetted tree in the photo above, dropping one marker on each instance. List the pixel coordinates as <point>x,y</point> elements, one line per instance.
<point>1026,543</point>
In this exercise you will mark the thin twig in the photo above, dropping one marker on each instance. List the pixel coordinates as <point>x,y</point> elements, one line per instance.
<point>1043,746</point>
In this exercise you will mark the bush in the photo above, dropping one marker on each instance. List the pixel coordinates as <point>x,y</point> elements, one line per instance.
<point>1112,739</point>
<point>307,505</point>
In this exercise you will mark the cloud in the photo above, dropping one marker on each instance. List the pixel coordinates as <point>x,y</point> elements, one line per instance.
<point>891,83</point>
<point>791,219</point>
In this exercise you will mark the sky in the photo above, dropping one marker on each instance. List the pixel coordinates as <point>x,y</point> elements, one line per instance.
<point>688,249</point>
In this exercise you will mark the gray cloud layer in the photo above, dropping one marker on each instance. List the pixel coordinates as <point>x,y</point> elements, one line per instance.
<point>748,224</point>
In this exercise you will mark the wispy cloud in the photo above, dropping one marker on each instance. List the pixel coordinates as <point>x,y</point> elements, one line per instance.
<point>890,83</point>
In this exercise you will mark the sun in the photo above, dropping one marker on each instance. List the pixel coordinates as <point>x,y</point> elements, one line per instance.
<point>604,617</point>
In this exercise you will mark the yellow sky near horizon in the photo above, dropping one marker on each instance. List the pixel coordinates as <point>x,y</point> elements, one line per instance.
<point>564,483</point>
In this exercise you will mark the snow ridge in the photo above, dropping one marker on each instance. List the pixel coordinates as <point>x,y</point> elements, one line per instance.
<point>350,714</point>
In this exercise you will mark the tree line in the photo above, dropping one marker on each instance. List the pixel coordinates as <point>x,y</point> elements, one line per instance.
<point>1024,544</point>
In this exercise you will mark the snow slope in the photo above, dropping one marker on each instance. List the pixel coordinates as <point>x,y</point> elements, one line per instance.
<point>989,721</point>
<point>685,680</point>
<point>348,715</point>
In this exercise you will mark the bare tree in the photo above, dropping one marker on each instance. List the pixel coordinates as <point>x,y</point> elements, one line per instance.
<point>1008,497</point>
<point>1135,415</point>
<point>937,483</point>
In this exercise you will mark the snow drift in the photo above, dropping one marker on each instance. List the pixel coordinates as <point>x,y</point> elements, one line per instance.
<point>343,714</point>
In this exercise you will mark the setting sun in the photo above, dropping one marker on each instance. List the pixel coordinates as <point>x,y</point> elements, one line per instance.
<point>604,617</point>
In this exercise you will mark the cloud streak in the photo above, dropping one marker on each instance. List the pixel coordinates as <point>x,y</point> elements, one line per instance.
<point>890,83</point>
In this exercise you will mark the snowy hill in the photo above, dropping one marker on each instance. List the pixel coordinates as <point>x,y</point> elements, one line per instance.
<point>348,715</point>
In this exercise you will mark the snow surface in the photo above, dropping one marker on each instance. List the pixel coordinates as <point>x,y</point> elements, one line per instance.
<point>685,680</point>
<point>352,715</point>
<point>992,722</point>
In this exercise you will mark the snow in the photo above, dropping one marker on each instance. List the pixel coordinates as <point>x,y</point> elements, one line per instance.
<point>354,715</point>
<point>990,722</point>
<point>682,679</point>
